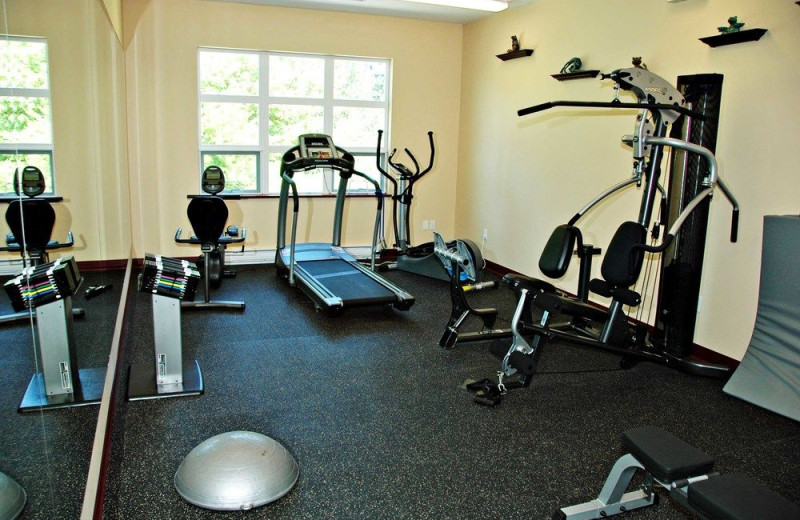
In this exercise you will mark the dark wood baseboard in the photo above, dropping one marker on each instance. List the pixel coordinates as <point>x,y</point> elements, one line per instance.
<point>103,265</point>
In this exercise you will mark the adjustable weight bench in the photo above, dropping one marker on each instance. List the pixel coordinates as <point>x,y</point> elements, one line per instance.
<point>685,472</point>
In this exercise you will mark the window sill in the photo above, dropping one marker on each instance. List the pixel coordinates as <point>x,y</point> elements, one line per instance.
<point>247,196</point>
<point>48,198</point>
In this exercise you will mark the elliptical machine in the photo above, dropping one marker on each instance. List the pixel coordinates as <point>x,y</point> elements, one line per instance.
<point>420,259</point>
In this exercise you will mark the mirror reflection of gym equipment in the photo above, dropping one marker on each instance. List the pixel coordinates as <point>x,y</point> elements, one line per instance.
<point>44,290</point>
<point>31,221</point>
<point>208,215</point>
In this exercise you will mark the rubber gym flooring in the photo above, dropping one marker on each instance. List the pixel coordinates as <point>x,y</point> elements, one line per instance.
<point>372,411</point>
<point>48,453</point>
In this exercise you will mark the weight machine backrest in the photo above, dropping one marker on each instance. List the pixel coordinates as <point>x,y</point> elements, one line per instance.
<point>622,262</point>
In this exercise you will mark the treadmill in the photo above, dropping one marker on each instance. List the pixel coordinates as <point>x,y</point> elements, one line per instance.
<point>330,276</point>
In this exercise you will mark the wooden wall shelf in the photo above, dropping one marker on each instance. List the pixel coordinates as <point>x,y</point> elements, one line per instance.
<point>719,40</point>
<point>579,74</point>
<point>515,54</point>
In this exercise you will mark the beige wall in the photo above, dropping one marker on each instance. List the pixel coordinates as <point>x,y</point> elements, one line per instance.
<point>516,177</point>
<point>114,10</point>
<point>520,177</point>
<point>161,41</point>
<point>88,111</point>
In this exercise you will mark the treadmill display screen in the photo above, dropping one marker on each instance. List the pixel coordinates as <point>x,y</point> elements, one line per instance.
<point>318,147</point>
<point>319,153</point>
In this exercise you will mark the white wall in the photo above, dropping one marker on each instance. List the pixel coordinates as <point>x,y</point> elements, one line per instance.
<point>520,177</point>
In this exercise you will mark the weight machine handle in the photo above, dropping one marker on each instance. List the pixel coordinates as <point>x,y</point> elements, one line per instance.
<point>609,104</point>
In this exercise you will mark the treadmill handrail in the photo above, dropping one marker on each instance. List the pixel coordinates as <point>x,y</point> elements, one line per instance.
<point>296,198</point>
<point>379,196</point>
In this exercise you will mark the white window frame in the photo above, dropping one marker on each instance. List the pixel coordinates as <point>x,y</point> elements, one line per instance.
<point>264,100</point>
<point>23,148</point>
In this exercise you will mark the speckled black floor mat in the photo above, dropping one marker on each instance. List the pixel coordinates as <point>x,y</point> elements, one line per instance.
<point>371,408</point>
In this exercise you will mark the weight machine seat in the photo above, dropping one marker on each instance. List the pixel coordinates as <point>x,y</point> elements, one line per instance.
<point>533,285</point>
<point>620,270</point>
<point>667,457</point>
<point>38,217</point>
<point>555,303</point>
<point>739,497</point>
<point>208,215</point>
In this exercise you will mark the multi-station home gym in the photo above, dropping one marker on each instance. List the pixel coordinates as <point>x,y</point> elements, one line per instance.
<point>399,259</point>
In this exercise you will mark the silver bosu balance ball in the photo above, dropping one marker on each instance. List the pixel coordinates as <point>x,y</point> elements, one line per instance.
<point>236,471</point>
<point>12,498</point>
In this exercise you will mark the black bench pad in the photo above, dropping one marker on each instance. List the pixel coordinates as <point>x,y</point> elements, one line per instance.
<point>534,285</point>
<point>739,497</point>
<point>667,457</point>
<point>561,304</point>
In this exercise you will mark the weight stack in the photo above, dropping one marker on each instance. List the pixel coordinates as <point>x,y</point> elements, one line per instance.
<point>682,263</point>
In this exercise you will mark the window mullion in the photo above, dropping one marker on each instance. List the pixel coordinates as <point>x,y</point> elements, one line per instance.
<point>263,121</point>
<point>327,108</point>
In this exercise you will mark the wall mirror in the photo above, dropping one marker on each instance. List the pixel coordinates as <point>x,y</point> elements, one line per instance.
<point>62,97</point>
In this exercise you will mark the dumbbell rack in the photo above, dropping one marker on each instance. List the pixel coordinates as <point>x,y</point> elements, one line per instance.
<point>170,281</point>
<point>59,383</point>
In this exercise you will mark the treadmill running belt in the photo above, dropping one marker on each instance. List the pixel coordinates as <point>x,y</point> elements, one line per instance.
<point>347,282</point>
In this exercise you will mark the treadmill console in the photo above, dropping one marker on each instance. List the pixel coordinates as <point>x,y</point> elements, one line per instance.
<point>317,147</point>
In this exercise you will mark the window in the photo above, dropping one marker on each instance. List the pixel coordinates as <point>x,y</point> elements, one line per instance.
<point>254,105</point>
<point>26,129</point>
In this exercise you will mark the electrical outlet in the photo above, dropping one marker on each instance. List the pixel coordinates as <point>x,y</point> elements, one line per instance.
<point>426,224</point>
<point>486,234</point>
<point>432,224</point>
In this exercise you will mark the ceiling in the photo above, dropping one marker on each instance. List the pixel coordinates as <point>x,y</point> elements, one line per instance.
<point>388,8</point>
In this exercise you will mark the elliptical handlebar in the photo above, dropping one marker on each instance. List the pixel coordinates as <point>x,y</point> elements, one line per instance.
<point>378,160</point>
<point>404,172</point>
